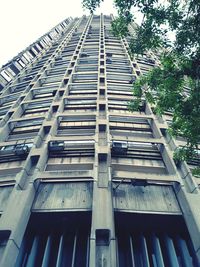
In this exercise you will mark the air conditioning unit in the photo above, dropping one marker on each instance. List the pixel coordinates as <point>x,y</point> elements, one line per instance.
<point>56,146</point>
<point>21,150</point>
<point>119,148</point>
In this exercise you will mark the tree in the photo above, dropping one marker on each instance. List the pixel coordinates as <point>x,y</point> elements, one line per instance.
<point>165,86</point>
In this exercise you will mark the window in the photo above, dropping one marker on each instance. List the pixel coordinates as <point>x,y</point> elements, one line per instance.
<point>76,125</point>
<point>116,78</point>
<point>46,92</point>
<point>25,128</point>
<point>88,61</point>
<point>119,104</point>
<point>87,68</point>
<point>130,126</point>
<point>79,89</point>
<point>57,71</point>
<point>137,157</point>
<point>115,68</point>
<point>117,62</point>
<point>9,100</point>
<point>70,155</point>
<point>36,107</point>
<point>120,89</point>
<point>89,51</point>
<point>64,147</point>
<point>45,83</point>
<point>78,78</point>
<point>88,104</point>
<point>51,79</point>
<point>38,104</point>
<point>19,87</point>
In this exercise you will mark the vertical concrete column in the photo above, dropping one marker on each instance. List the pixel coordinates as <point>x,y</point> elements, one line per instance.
<point>102,241</point>
<point>190,203</point>
<point>14,220</point>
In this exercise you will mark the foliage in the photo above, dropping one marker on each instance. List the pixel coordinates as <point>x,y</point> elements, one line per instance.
<point>119,27</point>
<point>196,172</point>
<point>91,4</point>
<point>179,68</point>
<point>164,88</point>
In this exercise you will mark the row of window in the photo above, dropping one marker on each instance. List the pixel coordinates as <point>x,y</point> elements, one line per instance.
<point>22,83</point>
<point>68,152</point>
<point>49,81</point>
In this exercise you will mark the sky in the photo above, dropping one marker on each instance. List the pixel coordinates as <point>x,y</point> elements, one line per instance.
<point>24,21</point>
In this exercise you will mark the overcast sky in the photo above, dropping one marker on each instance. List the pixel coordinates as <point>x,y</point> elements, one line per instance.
<point>24,21</point>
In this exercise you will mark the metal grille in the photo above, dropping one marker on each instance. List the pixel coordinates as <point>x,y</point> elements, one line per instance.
<point>154,250</point>
<point>53,249</point>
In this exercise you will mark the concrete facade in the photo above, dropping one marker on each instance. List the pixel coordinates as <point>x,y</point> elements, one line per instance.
<point>84,181</point>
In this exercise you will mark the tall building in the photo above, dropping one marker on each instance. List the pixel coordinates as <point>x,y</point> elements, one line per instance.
<point>84,182</point>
